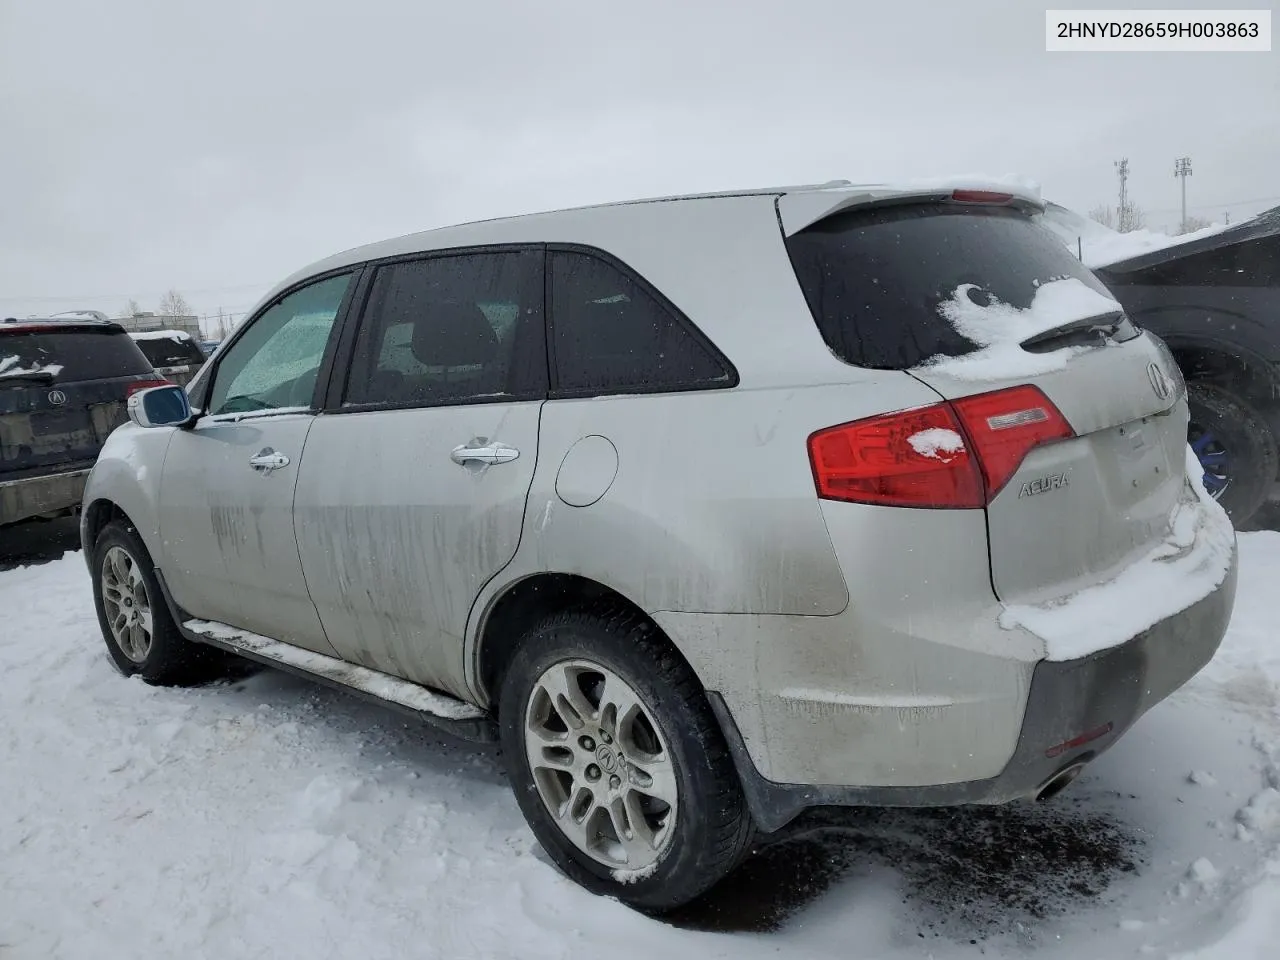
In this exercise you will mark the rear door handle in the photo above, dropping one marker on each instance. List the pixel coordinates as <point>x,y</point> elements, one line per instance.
<point>268,460</point>
<point>483,452</point>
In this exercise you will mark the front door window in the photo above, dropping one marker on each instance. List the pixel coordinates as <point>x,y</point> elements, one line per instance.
<point>275,364</point>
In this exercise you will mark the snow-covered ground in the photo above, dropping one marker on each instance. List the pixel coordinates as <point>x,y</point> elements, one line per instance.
<point>267,817</point>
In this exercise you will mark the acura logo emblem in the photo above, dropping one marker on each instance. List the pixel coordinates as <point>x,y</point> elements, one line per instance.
<point>1160,382</point>
<point>57,397</point>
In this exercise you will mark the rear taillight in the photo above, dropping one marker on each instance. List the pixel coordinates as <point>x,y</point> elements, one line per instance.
<point>137,385</point>
<point>981,196</point>
<point>954,455</point>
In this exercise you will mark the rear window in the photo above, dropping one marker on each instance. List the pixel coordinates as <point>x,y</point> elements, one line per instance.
<point>875,278</point>
<point>63,356</point>
<point>170,351</point>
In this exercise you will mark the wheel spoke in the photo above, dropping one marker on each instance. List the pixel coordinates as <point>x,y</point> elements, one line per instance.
<point>654,778</point>
<point>643,836</point>
<point>567,697</point>
<point>621,822</point>
<point>575,816</point>
<point>618,709</point>
<point>144,621</point>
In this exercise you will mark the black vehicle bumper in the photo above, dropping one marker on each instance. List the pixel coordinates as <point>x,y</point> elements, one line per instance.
<point>38,496</point>
<point>1100,696</point>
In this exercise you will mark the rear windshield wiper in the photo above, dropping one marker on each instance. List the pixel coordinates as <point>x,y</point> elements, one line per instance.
<point>1088,332</point>
<point>17,377</point>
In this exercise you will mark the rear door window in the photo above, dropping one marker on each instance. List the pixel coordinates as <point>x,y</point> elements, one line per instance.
<point>63,356</point>
<point>449,329</point>
<point>875,278</point>
<point>612,335</point>
<point>169,350</point>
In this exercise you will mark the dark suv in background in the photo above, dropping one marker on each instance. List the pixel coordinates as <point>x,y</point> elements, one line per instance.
<point>63,386</point>
<point>1214,298</point>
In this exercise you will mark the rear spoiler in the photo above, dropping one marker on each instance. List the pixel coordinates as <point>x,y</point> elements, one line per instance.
<point>805,208</point>
<point>14,325</point>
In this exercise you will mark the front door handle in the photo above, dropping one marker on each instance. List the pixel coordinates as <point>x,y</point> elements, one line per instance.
<point>480,451</point>
<point>268,460</point>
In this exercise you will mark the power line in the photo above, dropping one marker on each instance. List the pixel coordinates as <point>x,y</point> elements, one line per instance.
<point>135,295</point>
<point>1217,206</point>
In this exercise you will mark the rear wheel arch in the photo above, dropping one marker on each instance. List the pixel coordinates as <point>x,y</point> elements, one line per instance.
<point>1230,368</point>
<point>527,602</point>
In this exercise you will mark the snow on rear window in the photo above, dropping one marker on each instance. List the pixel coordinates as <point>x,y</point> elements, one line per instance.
<point>12,366</point>
<point>999,329</point>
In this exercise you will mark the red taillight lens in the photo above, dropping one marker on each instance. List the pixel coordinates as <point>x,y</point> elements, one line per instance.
<point>1005,425</point>
<point>981,196</point>
<point>952,455</point>
<point>917,458</point>
<point>137,385</point>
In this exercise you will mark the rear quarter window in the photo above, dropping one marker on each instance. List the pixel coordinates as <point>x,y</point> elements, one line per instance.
<point>64,356</point>
<point>875,278</point>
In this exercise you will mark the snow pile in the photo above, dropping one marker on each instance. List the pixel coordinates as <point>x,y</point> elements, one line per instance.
<point>1262,813</point>
<point>1190,563</point>
<point>1100,246</point>
<point>270,817</point>
<point>999,329</point>
<point>936,443</point>
<point>10,367</point>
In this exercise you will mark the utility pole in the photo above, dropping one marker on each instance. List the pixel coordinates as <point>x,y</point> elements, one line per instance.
<point>1122,215</point>
<point>1182,170</point>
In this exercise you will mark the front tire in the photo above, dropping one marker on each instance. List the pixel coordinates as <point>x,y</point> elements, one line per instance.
<point>1235,447</point>
<point>140,634</point>
<point>617,762</point>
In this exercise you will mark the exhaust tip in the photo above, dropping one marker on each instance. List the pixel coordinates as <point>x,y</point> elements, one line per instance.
<point>1059,782</point>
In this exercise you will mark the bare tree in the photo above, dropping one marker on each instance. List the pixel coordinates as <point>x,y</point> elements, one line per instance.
<point>1131,218</point>
<point>174,304</point>
<point>1195,223</point>
<point>1103,215</point>
<point>132,308</point>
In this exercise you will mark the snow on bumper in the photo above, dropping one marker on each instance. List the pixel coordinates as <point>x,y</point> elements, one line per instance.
<point>1189,564</point>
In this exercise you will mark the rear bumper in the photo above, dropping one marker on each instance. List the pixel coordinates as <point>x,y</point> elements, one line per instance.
<point>35,496</point>
<point>1107,692</point>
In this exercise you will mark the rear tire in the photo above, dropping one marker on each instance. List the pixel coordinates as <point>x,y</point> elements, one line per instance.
<point>139,631</point>
<point>1235,446</point>
<point>648,805</point>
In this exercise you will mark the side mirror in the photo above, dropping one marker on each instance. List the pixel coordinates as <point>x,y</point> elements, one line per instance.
<point>166,406</point>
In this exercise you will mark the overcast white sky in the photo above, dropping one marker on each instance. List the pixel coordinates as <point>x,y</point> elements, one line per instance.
<point>215,146</point>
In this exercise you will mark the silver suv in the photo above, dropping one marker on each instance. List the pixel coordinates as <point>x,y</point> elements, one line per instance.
<point>710,509</point>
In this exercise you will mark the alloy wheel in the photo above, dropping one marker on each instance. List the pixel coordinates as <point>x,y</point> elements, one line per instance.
<point>126,603</point>
<point>601,765</point>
